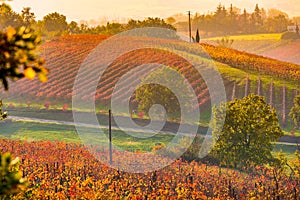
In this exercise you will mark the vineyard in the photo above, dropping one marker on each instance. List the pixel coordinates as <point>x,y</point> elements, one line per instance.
<point>64,56</point>
<point>68,171</point>
<point>254,63</point>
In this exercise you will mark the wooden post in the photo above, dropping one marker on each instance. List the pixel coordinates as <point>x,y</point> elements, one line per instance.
<point>271,93</point>
<point>284,105</point>
<point>259,86</point>
<point>247,86</point>
<point>233,91</point>
<point>109,135</point>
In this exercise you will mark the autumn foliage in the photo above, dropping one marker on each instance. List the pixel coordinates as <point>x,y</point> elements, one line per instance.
<point>68,171</point>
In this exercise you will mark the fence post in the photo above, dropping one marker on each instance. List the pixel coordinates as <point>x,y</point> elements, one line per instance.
<point>110,140</point>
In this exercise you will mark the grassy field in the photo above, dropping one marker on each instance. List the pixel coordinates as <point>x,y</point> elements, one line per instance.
<point>271,36</point>
<point>32,131</point>
<point>256,43</point>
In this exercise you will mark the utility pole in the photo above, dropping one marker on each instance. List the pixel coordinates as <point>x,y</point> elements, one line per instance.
<point>109,135</point>
<point>190,27</point>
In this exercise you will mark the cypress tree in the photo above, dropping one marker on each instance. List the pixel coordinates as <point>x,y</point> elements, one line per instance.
<point>197,36</point>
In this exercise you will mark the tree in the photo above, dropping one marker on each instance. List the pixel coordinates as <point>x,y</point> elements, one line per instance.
<point>295,112</point>
<point>151,94</point>
<point>256,19</point>
<point>55,22</point>
<point>245,21</point>
<point>170,20</point>
<point>277,24</point>
<point>17,56</point>
<point>149,22</point>
<point>28,16</point>
<point>197,36</point>
<point>8,17</point>
<point>297,29</point>
<point>73,28</point>
<point>220,18</point>
<point>275,12</point>
<point>232,22</point>
<point>249,131</point>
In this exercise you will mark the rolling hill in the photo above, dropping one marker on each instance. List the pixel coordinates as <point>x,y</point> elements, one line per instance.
<point>268,45</point>
<point>64,56</point>
<point>289,52</point>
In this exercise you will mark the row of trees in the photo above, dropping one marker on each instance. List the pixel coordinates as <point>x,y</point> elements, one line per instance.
<point>222,21</point>
<point>55,24</point>
<point>234,21</point>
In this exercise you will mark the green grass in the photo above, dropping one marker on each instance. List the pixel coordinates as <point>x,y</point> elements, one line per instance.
<point>271,36</point>
<point>239,76</point>
<point>256,43</point>
<point>31,131</point>
<point>296,133</point>
<point>287,150</point>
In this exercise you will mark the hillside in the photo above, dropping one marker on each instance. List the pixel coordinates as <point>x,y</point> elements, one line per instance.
<point>268,45</point>
<point>64,56</point>
<point>289,52</point>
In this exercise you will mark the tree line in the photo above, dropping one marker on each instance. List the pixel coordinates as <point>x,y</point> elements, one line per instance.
<point>223,21</point>
<point>232,20</point>
<point>55,24</point>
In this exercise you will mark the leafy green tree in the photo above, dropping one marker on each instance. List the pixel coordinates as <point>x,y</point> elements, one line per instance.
<point>150,94</point>
<point>55,22</point>
<point>295,112</point>
<point>17,55</point>
<point>249,130</point>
